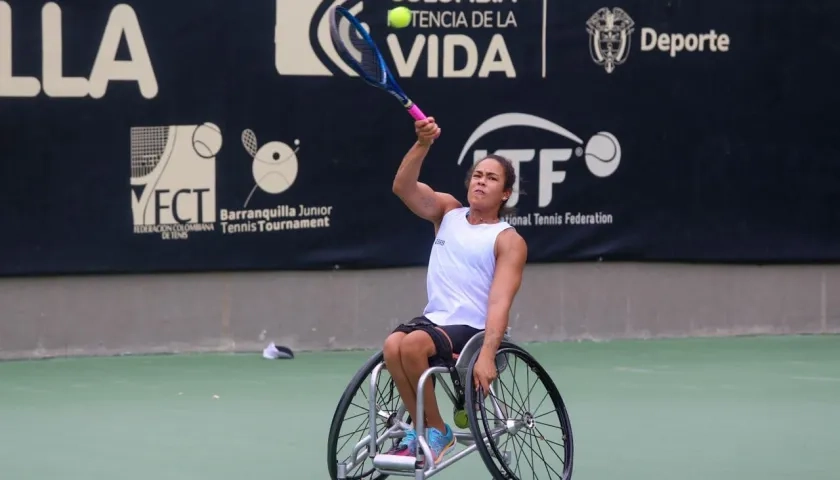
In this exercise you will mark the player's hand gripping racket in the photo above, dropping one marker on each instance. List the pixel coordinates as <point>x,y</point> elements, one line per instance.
<point>357,48</point>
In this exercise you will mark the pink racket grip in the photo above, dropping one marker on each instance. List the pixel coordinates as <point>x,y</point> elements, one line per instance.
<point>418,115</point>
<point>415,112</point>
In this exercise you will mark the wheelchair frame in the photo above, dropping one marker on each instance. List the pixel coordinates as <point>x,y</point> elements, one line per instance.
<point>461,376</point>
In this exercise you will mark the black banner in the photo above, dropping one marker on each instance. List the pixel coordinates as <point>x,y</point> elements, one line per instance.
<point>206,135</point>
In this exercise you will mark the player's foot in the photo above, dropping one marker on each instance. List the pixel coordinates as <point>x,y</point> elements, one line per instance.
<point>407,446</point>
<point>441,443</point>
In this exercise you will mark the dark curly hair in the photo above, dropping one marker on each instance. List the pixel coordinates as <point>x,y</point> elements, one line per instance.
<point>509,179</point>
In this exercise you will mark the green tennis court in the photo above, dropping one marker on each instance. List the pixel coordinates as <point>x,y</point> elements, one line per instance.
<point>734,408</point>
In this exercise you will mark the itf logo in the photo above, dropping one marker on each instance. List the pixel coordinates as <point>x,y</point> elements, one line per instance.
<point>550,161</point>
<point>173,179</point>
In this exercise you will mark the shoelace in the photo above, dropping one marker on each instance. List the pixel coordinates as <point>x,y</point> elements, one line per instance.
<point>410,436</point>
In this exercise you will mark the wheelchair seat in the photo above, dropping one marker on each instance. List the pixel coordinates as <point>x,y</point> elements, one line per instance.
<point>472,347</point>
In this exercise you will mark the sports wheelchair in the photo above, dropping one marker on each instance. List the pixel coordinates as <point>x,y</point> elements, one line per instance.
<point>380,419</point>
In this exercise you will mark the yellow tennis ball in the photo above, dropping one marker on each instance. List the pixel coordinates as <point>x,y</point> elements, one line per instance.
<point>461,419</point>
<point>399,17</point>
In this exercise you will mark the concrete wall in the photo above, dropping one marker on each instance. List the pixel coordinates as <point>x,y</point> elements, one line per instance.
<point>345,309</point>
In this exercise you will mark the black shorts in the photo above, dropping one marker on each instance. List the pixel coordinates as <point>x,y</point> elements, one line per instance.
<point>458,334</point>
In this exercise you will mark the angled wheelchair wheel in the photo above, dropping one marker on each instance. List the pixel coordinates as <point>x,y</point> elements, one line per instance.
<point>351,424</point>
<point>523,420</point>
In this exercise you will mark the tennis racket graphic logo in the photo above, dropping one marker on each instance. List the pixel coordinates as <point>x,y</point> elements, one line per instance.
<point>151,150</point>
<point>274,166</point>
<point>302,37</point>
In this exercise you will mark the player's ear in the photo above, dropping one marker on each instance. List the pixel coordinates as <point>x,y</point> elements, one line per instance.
<point>507,193</point>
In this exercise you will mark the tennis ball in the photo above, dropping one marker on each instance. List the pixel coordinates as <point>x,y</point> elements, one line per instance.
<point>399,17</point>
<point>461,419</point>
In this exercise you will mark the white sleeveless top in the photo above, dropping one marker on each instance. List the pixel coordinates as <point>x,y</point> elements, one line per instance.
<point>461,268</point>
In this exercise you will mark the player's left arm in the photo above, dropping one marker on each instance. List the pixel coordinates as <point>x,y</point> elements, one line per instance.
<point>511,255</point>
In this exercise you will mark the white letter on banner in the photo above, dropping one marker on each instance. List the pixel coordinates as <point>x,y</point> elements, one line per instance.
<point>123,22</point>
<point>55,83</point>
<point>11,86</point>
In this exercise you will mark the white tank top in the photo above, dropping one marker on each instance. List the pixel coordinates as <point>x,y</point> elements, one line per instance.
<point>461,268</point>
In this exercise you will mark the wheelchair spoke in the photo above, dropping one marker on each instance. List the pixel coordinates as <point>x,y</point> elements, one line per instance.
<point>494,402</point>
<point>517,386</point>
<point>544,414</point>
<point>521,451</point>
<point>540,437</point>
<point>357,416</point>
<point>360,429</point>
<point>542,401</point>
<point>530,389</point>
<point>531,444</point>
<point>538,452</point>
<point>548,443</point>
<point>544,462</point>
<point>520,410</point>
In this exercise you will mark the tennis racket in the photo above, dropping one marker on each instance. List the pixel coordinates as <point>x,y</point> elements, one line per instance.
<point>358,49</point>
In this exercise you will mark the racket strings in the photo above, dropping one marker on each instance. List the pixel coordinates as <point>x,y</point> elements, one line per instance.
<point>369,62</point>
<point>357,46</point>
<point>249,141</point>
<point>147,147</point>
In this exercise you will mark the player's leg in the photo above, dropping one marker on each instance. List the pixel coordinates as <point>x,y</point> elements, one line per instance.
<point>393,361</point>
<point>441,437</point>
<point>417,349</point>
<point>392,353</point>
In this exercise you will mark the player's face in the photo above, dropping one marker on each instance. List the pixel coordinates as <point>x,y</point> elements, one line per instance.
<point>487,185</point>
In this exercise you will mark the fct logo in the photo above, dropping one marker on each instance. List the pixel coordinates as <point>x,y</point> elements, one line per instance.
<point>173,179</point>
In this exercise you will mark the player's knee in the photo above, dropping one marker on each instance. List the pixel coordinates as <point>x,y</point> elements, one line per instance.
<point>417,344</point>
<point>391,348</point>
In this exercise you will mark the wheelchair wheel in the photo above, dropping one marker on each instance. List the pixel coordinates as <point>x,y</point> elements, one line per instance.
<point>538,442</point>
<point>350,422</point>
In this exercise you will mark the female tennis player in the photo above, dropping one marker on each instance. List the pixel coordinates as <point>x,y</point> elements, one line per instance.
<point>475,270</point>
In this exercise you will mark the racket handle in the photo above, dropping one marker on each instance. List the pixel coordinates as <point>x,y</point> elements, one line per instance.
<point>415,112</point>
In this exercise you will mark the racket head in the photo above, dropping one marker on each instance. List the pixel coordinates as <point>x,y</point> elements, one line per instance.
<point>356,47</point>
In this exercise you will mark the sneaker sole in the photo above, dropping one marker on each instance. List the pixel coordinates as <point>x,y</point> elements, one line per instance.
<point>446,450</point>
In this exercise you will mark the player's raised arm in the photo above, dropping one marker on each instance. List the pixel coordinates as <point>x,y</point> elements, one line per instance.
<point>417,196</point>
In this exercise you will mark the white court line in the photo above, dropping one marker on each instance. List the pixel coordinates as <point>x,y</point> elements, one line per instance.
<point>634,370</point>
<point>818,379</point>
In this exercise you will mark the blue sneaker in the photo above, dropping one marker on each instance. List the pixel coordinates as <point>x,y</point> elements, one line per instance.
<point>407,446</point>
<point>440,443</point>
